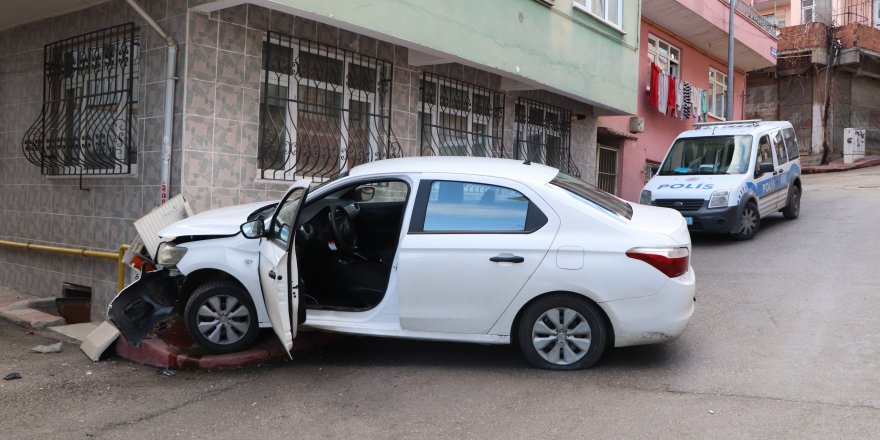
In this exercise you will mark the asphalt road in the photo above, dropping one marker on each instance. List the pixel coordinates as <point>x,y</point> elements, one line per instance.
<point>785,343</point>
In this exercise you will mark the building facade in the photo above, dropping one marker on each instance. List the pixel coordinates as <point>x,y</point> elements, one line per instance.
<point>687,41</point>
<point>272,91</point>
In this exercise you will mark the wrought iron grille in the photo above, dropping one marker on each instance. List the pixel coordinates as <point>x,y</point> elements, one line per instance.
<point>607,169</point>
<point>323,110</point>
<point>87,125</point>
<point>543,135</point>
<point>460,119</point>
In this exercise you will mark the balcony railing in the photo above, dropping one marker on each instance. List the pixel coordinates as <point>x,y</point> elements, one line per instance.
<point>853,11</point>
<point>747,10</point>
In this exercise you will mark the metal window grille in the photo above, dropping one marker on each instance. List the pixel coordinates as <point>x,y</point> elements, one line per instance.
<point>607,172</point>
<point>543,135</point>
<point>460,119</point>
<point>323,110</point>
<point>87,125</point>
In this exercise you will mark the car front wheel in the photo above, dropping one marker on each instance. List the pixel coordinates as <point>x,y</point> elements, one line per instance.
<point>221,317</point>
<point>749,223</point>
<point>561,332</point>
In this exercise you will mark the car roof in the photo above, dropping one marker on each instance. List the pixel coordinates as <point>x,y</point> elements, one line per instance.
<point>480,166</point>
<point>733,128</point>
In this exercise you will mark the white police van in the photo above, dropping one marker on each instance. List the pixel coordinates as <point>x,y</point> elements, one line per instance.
<point>724,177</point>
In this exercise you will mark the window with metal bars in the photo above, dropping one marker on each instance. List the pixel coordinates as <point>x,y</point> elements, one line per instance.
<point>459,119</point>
<point>543,135</point>
<point>323,110</point>
<point>88,122</point>
<point>607,169</point>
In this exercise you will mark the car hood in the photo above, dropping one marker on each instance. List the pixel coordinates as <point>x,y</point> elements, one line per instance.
<point>666,221</point>
<point>690,187</point>
<point>221,221</point>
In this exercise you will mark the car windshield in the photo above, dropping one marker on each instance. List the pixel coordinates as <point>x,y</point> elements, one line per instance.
<point>585,192</point>
<point>708,155</point>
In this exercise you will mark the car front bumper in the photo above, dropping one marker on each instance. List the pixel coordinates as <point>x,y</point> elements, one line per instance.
<point>655,318</point>
<point>716,220</point>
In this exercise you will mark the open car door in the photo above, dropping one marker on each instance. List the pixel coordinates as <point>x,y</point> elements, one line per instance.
<point>279,276</point>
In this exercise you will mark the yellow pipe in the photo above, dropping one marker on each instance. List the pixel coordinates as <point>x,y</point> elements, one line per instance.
<point>81,252</point>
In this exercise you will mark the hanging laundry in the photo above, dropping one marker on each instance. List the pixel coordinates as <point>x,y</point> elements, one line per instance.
<point>670,104</point>
<point>704,105</point>
<point>679,97</point>
<point>654,93</point>
<point>686,102</point>
<point>663,92</point>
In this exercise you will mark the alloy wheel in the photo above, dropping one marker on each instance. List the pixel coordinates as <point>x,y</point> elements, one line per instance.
<point>223,319</point>
<point>561,336</point>
<point>749,221</point>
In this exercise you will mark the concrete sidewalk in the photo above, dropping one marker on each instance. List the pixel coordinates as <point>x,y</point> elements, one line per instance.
<point>26,310</point>
<point>838,165</point>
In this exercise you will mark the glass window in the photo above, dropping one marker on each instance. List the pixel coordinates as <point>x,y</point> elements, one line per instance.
<point>765,155</point>
<point>807,11</point>
<point>282,223</point>
<point>781,156</point>
<point>474,207</point>
<point>593,196</point>
<point>791,144</point>
<point>383,192</point>
<point>665,55</point>
<point>708,155</point>
<point>608,10</point>
<point>717,94</point>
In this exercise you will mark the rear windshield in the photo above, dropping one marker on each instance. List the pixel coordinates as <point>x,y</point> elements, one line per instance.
<point>708,155</point>
<point>591,195</point>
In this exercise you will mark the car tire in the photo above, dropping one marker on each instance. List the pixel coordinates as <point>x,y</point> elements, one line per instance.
<point>561,332</point>
<point>749,222</point>
<point>793,208</point>
<point>221,317</point>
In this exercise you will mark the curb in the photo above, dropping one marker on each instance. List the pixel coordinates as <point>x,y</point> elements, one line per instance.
<point>839,166</point>
<point>23,314</point>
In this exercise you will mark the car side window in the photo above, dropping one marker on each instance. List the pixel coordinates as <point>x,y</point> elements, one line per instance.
<point>383,192</point>
<point>474,207</point>
<point>765,154</point>
<point>791,144</point>
<point>282,222</point>
<point>779,145</point>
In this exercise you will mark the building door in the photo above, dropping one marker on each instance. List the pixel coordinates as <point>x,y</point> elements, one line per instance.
<point>607,171</point>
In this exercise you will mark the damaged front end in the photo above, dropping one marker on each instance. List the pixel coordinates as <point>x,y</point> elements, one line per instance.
<point>143,304</point>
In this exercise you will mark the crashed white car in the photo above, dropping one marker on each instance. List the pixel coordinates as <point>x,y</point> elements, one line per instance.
<point>490,251</point>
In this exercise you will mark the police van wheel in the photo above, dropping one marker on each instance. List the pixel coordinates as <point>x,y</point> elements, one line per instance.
<point>793,208</point>
<point>749,223</point>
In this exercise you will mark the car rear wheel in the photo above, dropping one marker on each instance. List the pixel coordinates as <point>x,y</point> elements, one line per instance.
<point>561,332</point>
<point>221,317</point>
<point>793,208</point>
<point>749,223</point>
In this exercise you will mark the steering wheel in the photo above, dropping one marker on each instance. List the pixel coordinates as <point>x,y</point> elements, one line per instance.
<point>342,228</point>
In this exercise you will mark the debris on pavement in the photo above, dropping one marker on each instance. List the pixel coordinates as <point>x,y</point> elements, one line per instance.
<point>12,376</point>
<point>98,340</point>
<point>51,348</point>
<point>168,372</point>
<point>29,333</point>
<point>711,412</point>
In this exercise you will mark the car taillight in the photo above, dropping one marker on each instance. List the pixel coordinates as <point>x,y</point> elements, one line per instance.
<point>673,262</point>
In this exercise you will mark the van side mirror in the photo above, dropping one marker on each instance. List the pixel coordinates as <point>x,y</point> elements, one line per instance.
<point>252,229</point>
<point>764,168</point>
<point>655,169</point>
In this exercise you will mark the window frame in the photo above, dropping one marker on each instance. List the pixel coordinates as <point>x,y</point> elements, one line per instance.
<point>722,84</point>
<point>811,7</point>
<point>587,6</point>
<point>612,175</point>
<point>291,105</point>
<point>654,48</point>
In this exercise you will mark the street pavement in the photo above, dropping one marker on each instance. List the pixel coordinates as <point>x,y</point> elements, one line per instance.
<point>785,343</point>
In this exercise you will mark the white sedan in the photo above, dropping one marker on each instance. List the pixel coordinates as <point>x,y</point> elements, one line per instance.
<point>489,251</point>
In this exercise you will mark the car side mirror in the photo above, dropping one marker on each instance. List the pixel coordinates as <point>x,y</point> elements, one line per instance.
<point>365,193</point>
<point>252,229</point>
<point>655,169</point>
<point>764,168</point>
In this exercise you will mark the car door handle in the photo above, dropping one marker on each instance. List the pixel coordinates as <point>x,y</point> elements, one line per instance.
<point>507,259</point>
<point>272,275</point>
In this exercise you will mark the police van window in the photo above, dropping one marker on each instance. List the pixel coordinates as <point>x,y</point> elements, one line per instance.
<point>791,145</point>
<point>708,155</point>
<point>765,155</point>
<point>779,145</point>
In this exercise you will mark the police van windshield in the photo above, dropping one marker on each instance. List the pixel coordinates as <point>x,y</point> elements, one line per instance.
<point>708,155</point>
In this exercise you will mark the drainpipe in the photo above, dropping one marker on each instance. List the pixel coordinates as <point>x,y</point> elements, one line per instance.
<point>730,47</point>
<point>170,79</point>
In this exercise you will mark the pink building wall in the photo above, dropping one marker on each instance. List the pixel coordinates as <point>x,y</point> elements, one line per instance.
<point>661,130</point>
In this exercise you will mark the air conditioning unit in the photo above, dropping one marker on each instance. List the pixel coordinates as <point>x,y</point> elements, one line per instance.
<point>636,124</point>
<point>853,145</point>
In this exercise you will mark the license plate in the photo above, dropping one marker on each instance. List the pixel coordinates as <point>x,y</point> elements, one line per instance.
<point>689,221</point>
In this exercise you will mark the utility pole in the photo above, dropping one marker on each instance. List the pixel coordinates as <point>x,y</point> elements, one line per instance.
<point>729,109</point>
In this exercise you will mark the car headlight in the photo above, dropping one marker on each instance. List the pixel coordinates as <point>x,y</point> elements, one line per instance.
<point>645,197</point>
<point>719,199</point>
<point>169,254</point>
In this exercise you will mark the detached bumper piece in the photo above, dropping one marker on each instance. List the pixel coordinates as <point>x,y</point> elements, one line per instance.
<point>143,304</point>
